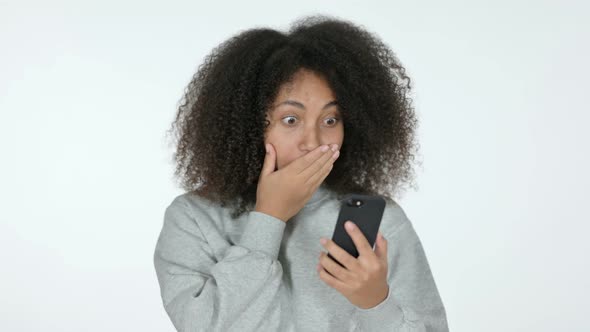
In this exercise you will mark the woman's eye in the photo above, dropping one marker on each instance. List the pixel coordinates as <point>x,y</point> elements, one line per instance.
<point>290,120</point>
<point>334,121</point>
<point>289,117</point>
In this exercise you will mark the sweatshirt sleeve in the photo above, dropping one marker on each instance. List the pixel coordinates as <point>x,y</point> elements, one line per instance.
<point>413,302</point>
<point>201,293</point>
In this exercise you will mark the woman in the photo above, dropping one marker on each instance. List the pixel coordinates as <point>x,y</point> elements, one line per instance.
<point>273,130</point>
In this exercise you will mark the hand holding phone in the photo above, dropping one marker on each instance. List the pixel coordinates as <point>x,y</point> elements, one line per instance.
<point>366,212</point>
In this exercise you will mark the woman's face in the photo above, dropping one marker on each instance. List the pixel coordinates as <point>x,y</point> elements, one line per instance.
<point>302,117</point>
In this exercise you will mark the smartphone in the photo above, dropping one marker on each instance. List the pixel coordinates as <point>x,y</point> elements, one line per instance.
<point>366,212</point>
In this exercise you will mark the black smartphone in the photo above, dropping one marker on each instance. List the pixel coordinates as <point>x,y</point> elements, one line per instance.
<point>366,212</point>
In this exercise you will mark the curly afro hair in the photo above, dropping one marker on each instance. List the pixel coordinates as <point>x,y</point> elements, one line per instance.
<point>220,124</point>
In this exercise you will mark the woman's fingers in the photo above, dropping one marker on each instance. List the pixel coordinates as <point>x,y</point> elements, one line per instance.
<point>318,166</point>
<point>269,165</point>
<point>302,163</point>
<point>318,177</point>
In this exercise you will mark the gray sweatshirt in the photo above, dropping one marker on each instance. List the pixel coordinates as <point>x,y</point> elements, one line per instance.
<point>258,273</point>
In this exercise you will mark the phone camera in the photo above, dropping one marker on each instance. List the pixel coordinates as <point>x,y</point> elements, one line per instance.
<point>355,202</point>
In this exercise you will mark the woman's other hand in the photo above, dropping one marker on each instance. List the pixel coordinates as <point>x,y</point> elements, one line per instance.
<point>284,192</point>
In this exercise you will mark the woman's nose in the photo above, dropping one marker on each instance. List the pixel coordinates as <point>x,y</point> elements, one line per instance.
<point>311,141</point>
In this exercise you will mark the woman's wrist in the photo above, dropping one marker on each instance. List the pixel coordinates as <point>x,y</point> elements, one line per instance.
<point>271,213</point>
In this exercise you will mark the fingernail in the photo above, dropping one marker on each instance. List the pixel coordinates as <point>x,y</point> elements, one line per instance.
<point>324,148</point>
<point>334,147</point>
<point>349,225</point>
<point>323,241</point>
<point>336,154</point>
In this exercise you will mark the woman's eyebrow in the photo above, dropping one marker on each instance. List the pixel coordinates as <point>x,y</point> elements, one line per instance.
<point>300,105</point>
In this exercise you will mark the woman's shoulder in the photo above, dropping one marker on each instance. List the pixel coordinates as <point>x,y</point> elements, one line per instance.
<point>394,217</point>
<point>199,208</point>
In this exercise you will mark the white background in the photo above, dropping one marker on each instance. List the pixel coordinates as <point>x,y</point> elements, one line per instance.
<point>87,91</point>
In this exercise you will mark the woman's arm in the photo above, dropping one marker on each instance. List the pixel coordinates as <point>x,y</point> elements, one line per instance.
<point>202,293</point>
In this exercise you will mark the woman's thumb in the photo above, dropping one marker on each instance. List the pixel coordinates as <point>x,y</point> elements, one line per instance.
<point>269,165</point>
